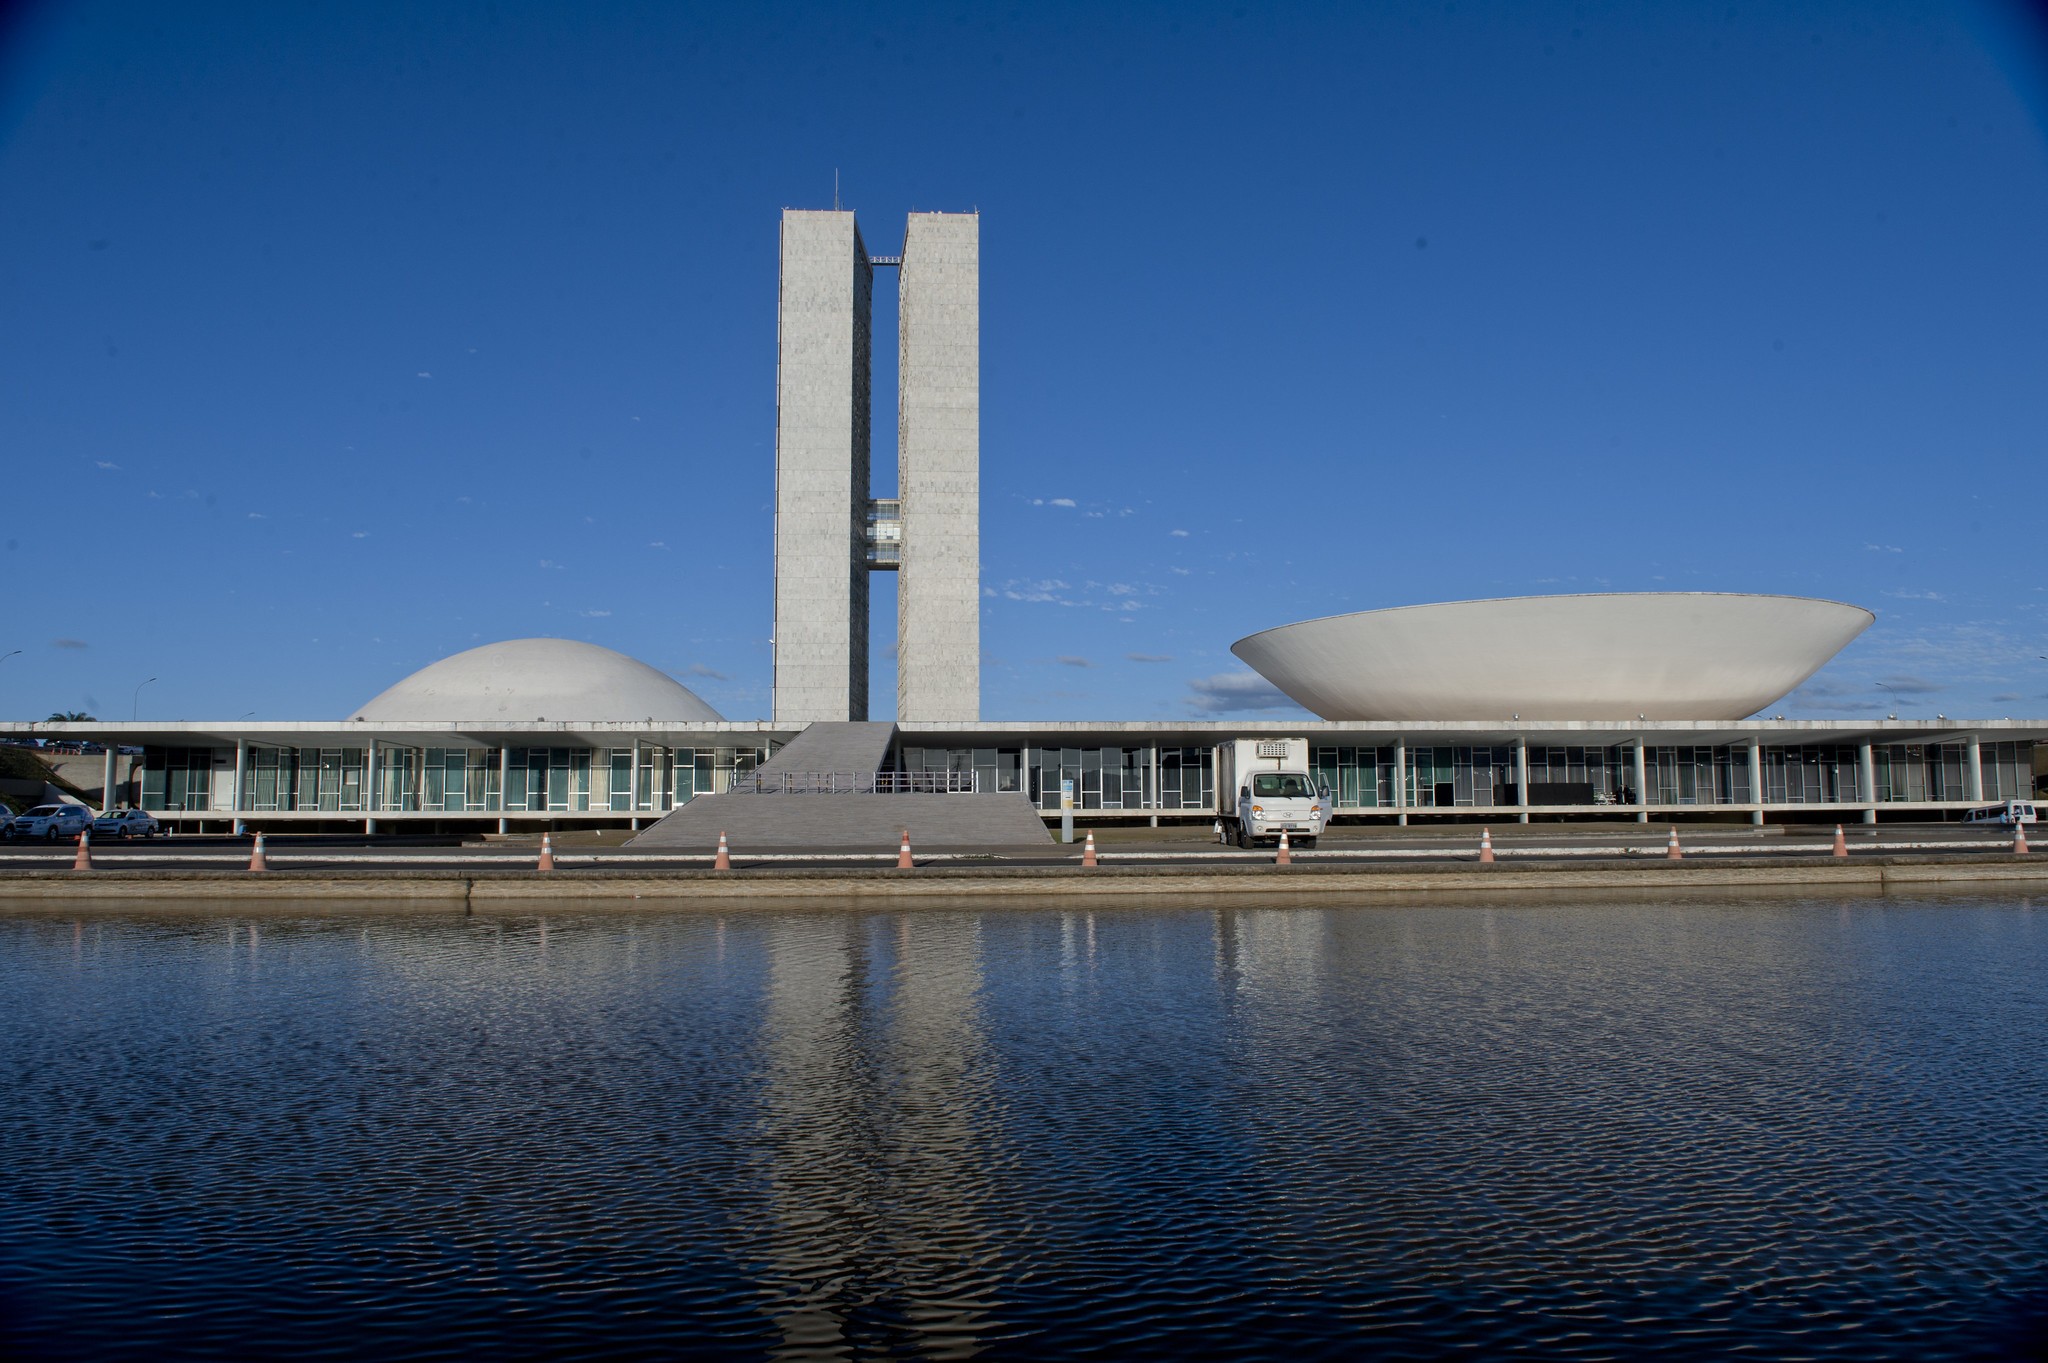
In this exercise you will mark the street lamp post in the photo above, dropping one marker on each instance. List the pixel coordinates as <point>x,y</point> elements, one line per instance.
<point>136,709</point>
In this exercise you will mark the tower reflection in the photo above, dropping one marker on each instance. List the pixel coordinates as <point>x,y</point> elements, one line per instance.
<point>877,1136</point>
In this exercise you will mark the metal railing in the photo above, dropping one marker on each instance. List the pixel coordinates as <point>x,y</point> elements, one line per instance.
<point>855,783</point>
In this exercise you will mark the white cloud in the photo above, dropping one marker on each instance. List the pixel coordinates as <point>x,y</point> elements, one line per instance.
<point>258,516</point>
<point>424,375</point>
<point>1178,534</point>
<point>1236,693</point>
<point>593,615</point>
<point>358,534</point>
<point>1060,501</point>
<point>105,464</point>
<point>1069,660</point>
<point>1915,596</point>
<point>1149,657</point>
<point>1883,549</point>
<point>700,670</point>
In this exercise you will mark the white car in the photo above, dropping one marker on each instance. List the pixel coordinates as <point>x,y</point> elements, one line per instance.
<point>51,822</point>
<point>126,823</point>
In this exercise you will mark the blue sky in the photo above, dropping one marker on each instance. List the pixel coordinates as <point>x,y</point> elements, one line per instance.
<point>341,337</point>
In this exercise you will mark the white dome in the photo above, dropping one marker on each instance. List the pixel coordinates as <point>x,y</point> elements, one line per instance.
<point>1664,655</point>
<point>530,679</point>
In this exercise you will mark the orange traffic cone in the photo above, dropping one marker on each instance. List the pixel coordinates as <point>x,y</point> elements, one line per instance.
<point>1088,849</point>
<point>1486,846</point>
<point>903,861</point>
<point>1841,842</point>
<point>547,853</point>
<point>83,861</point>
<point>723,861</point>
<point>1283,857</point>
<point>256,861</point>
<point>1671,848</point>
<point>2019,839</point>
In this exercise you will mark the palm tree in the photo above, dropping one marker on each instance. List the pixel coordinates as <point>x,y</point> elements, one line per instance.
<point>69,717</point>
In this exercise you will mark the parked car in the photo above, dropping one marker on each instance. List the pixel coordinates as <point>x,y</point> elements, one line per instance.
<point>51,822</point>
<point>126,823</point>
<point>6,821</point>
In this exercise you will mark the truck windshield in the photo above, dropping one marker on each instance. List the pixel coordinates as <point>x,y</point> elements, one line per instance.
<point>1280,785</point>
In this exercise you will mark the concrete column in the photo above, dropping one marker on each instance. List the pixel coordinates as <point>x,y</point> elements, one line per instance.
<point>1642,784</point>
<point>1866,779</point>
<point>1522,778</point>
<point>633,782</point>
<point>1401,778</point>
<point>1154,796</point>
<point>504,787</point>
<point>241,780</point>
<point>1973,769</point>
<point>107,778</point>
<point>370,791</point>
<point>1756,781</point>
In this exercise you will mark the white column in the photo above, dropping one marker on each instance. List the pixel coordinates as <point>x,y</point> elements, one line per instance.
<point>633,783</point>
<point>1152,796</point>
<point>241,780</point>
<point>1756,780</point>
<point>107,778</point>
<point>370,801</point>
<point>1866,778</point>
<point>504,787</point>
<point>1973,769</point>
<point>1642,784</point>
<point>1401,777</point>
<point>1522,777</point>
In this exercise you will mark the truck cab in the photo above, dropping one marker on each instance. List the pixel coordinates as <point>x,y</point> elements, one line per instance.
<point>1270,802</point>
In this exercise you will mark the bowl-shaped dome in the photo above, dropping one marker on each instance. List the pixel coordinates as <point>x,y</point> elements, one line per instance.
<point>529,679</point>
<point>1663,655</point>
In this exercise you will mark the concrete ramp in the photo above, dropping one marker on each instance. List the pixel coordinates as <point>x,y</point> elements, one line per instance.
<point>998,824</point>
<point>857,749</point>
<point>804,810</point>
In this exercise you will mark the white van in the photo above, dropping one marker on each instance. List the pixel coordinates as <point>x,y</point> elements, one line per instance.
<point>2006,815</point>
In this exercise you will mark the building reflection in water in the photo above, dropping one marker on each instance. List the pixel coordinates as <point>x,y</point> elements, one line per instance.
<point>877,1131</point>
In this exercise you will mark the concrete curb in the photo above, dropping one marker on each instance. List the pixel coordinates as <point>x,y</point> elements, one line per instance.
<point>1261,882</point>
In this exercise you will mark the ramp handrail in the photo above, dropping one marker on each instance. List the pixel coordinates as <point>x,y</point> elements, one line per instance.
<point>855,783</point>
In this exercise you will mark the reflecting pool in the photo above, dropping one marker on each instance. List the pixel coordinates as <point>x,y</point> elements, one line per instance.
<point>1791,1127</point>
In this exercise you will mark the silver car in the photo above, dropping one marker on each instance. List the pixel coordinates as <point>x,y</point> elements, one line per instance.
<point>51,822</point>
<point>126,823</point>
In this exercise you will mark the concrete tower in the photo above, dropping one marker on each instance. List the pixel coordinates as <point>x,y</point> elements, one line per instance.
<point>938,451</point>
<point>828,534</point>
<point>822,386</point>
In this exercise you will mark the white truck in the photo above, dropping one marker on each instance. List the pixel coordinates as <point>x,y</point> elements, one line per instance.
<point>1264,787</point>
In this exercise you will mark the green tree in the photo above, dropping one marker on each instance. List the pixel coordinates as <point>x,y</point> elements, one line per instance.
<point>70,717</point>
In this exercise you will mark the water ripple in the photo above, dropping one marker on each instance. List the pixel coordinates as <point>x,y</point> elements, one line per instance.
<point>1784,1128</point>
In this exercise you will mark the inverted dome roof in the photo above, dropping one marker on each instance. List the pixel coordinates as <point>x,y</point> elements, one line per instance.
<point>529,679</point>
<point>1662,655</point>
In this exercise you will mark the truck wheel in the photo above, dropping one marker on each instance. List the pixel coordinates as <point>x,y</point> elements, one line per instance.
<point>1244,841</point>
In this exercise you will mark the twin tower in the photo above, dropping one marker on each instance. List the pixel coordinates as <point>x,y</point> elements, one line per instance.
<point>829,533</point>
